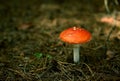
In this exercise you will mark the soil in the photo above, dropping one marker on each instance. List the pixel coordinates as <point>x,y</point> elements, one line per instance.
<point>31,50</point>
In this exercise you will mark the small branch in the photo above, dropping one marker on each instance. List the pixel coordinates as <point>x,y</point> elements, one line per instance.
<point>106,5</point>
<point>113,28</point>
<point>21,73</point>
<point>116,2</point>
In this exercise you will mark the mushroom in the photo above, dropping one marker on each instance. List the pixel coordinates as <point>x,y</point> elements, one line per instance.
<point>75,36</point>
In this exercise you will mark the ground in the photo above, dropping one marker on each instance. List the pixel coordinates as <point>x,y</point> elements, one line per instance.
<point>31,50</point>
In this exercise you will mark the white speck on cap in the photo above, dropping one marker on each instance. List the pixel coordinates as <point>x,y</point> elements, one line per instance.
<point>74,28</point>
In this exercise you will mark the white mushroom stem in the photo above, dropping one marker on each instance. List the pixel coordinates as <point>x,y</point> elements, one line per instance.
<point>76,53</point>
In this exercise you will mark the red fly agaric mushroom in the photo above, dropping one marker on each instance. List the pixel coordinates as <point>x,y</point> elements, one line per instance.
<point>76,36</point>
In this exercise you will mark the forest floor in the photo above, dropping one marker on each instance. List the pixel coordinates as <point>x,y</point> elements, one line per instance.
<point>31,50</point>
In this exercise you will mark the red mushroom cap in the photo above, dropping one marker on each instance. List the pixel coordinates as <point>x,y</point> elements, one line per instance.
<point>75,35</point>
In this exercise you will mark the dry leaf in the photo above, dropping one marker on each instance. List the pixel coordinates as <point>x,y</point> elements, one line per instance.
<point>25,26</point>
<point>118,35</point>
<point>111,20</point>
<point>110,54</point>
